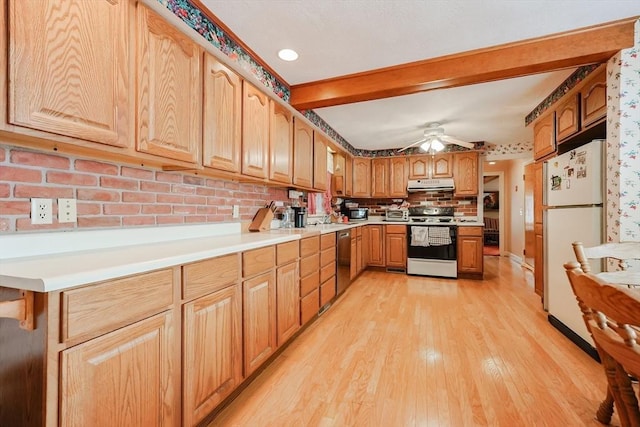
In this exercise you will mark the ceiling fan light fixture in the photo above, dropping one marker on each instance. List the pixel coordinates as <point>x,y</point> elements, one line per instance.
<point>436,145</point>
<point>425,146</point>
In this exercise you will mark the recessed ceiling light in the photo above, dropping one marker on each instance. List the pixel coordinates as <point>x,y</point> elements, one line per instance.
<point>288,55</point>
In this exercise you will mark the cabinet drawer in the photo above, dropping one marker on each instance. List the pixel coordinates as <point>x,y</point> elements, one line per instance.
<point>207,276</point>
<point>327,241</point>
<point>309,264</point>
<point>327,291</point>
<point>287,252</point>
<point>327,255</point>
<point>96,309</point>
<point>327,271</point>
<point>309,306</point>
<point>258,261</point>
<point>396,229</point>
<point>309,283</point>
<point>309,246</point>
<point>469,231</point>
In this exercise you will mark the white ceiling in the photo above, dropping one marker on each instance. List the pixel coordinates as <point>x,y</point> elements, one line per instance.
<point>337,37</point>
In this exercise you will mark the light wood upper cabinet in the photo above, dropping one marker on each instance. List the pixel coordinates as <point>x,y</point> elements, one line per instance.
<point>169,77</point>
<point>126,377</point>
<point>319,162</point>
<point>418,167</point>
<point>466,173</point>
<point>281,143</point>
<point>567,118</point>
<point>259,313</point>
<point>339,177</point>
<point>302,154</point>
<point>442,165</point>
<point>379,177</point>
<point>222,116</point>
<point>361,177</point>
<point>255,132</point>
<point>212,351</point>
<point>288,301</point>
<point>594,98</point>
<point>397,177</point>
<point>544,142</point>
<point>69,69</point>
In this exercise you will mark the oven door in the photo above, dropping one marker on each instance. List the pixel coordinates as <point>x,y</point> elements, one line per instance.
<point>436,246</point>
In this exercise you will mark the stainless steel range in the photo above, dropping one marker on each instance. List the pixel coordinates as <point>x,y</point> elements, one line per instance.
<point>431,242</point>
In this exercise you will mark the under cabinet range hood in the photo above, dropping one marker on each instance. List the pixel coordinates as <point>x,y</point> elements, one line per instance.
<point>444,184</point>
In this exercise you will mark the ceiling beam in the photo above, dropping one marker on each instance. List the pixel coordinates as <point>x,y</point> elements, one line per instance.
<point>574,48</point>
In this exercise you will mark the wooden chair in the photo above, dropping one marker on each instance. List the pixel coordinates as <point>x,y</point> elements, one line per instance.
<point>622,252</point>
<point>612,315</point>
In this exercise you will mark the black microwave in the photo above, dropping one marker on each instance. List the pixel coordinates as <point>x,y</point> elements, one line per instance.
<point>356,214</point>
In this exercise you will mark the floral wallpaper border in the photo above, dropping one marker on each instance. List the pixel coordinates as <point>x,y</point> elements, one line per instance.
<point>623,144</point>
<point>565,87</point>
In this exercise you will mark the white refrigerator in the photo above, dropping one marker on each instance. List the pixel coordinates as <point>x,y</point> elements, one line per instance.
<point>573,195</point>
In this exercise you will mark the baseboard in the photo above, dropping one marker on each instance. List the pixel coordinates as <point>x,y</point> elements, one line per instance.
<point>574,338</point>
<point>515,258</point>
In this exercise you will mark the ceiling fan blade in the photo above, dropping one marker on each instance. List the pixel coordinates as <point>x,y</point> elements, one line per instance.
<point>451,140</point>
<point>413,144</point>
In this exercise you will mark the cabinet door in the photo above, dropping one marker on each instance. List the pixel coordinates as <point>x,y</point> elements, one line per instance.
<point>365,246</point>
<point>280,144</point>
<point>348,176</point>
<point>338,186</point>
<point>376,246</point>
<point>466,174</point>
<point>594,99</point>
<point>169,90</point>
<point>65,76</point>
<point>379,177</point>
<point>353,266</point>
<point>470,254</point>
<point>288,301</point>
<point>359,263</point>
<point>222,114</point>
<point>396,250</point>
<point>567,118</point>
<point>361,177</point>
<point>544,142</point>
<point>302,154</point>
<point>255,132</point>
<point>442,165</point>
<point>259,314</point>
<point>538,269</point>
<point>418,167</point>
<point>397,177</point>
<point>128,377</point>
<point>319,162</point>
<point>212,351</point>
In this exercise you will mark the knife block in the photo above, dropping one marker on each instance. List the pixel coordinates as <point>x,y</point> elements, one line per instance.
<point>261,220</point>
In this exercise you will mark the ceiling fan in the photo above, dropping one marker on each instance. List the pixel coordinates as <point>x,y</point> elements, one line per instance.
<point>434,140</point>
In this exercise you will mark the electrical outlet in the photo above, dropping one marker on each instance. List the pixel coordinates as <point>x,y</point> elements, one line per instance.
<point>67,210</point>
<point>236,211</point>
<point>41,211</point>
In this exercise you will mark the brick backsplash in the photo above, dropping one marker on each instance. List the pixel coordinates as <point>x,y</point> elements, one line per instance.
<point>378,206</point>
<point>115,195</point>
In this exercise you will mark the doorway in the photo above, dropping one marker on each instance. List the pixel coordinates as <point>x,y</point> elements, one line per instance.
<point>492,212</point>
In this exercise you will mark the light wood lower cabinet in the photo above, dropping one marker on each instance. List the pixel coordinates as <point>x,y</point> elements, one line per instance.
<point>376,246</point>
<point>470,245</point>
<point>327,268</point>
<point>259,313</point>
<point>288,301</point>
<point>396,246</point>
<point>309,278</point>
<point>212,351</point>
<point>125,377</point>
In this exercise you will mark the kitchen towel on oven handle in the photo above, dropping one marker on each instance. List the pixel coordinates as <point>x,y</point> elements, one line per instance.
<point>439,236</point>
<point>419,236</point>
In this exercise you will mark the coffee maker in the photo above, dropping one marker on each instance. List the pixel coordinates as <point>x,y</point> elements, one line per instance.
<point>300,216</point>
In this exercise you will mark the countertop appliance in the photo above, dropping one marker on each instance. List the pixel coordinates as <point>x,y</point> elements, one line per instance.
<point>356,214</point>
<point>397,215</point>
<point>573,193</point>
<point>432,242</point>
<point>343,273</point>
<point>300,216</point>
<point>443,184</point>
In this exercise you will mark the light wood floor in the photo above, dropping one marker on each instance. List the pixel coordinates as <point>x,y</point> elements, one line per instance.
<point>400,350</point>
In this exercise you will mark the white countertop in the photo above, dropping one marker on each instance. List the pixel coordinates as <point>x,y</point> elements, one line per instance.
<point>53,261</point>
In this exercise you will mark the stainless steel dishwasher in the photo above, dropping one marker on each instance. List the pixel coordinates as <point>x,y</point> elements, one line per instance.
<point>343,276</point>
